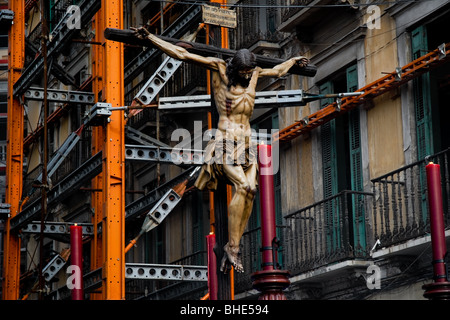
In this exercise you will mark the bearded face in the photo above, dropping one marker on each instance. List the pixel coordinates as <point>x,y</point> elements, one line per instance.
<point>243,77</point>
<point>240,68</point>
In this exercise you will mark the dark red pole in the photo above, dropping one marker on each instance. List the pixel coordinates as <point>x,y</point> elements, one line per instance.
<point>212,267</point>
<point>436,221</point>
<point>440,289</point>
<point>270,281</point>
<point>267,202</point>
<point>76,260</point>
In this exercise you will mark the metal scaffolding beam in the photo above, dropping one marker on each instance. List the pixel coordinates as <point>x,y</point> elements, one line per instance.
<point>157,81</point>
<point>174,272</point>
<point>59,38</point>
<point>63,96</point>
<point>140,271</point>
<point>113,224</point>
<point>142,138</point>
<point>14,151</point>
<point>59,192</point>
<point>164,154</point>
<point>56,228</point>
<point>264,99</point>
<point>142,205</point>
<point>176,29</point>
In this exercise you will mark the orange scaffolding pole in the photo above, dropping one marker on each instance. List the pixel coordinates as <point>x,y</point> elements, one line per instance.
<point>14,151</point>
<point>113,225</point>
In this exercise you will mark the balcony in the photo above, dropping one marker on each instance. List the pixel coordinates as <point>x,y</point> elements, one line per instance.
<point>306,12</point>
<point>323,233</point>
<point>342,230</point>
<point>400,211</point>
<point>257,31</point>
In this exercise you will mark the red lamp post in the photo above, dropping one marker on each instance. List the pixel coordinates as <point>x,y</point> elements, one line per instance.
<point>76,260</point>
<point>212,267</point>
<point>440,288</point>
<point>270,281</point>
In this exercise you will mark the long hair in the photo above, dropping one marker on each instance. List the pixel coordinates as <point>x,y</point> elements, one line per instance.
<point>242,59</point>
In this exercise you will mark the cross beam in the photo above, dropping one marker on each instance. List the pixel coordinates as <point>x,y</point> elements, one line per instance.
<point>129,37</point>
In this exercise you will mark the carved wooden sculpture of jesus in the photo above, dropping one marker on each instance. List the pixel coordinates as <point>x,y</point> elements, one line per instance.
<point>230,156</point>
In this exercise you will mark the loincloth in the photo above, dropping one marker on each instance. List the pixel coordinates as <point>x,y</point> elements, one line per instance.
<point>225,151</point>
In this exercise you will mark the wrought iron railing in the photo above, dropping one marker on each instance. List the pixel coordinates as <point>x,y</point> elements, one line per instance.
<point>249,17</point>
<point>400,209</point>
<point>294,7</point>
<point>328,231</point>
<point>325,232</point>
<point>251,258</point>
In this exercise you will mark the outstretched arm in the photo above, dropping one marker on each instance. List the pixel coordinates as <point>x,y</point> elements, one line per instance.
<point>283,68</point>
<point>178,52</point>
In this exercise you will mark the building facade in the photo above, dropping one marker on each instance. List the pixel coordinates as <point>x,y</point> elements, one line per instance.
<point>350,193</point>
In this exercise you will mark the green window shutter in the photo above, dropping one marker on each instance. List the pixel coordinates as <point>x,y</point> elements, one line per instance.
<point>354,134</point>
<point>358,214</point>
<point>329,154</point>
<point>330,174</point>
<point>422,106</point>
<point>422,97</point>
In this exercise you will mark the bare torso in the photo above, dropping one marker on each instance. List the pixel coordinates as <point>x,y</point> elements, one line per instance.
<point>235,106</point>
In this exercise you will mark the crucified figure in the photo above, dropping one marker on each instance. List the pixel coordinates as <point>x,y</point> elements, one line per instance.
<point>230,158</point>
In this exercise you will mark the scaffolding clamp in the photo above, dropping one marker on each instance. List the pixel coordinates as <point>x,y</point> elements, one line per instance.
<point>98,115</point>
<point>4,210</point>
<point>6,17</point>
<point>53,267</point>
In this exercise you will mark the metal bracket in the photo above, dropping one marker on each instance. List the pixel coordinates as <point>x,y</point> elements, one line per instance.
<point>4,210</point>
<point>165,272</point>
<point>156,82</point>
<point>60,228</point>
<point>338,104</point>
<point>98,114</point>
<point>442,52</point>
<point>53,267</point>
<point>161,210</point>
<point>305,121</point>
<point>6,17</point>
<point>398,74</point>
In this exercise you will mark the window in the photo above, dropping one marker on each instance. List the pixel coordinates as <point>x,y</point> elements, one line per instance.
<point>341,160</point>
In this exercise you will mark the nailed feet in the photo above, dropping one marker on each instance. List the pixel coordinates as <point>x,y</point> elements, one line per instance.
<point>230,258</point>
